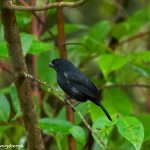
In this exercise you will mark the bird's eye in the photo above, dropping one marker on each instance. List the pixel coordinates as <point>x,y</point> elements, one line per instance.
<point>54,62</point>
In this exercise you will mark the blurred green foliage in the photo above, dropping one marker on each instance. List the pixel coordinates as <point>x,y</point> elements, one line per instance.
<point>111,50</point>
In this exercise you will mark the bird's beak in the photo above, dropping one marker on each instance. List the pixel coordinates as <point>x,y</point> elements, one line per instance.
<point>51,65</point>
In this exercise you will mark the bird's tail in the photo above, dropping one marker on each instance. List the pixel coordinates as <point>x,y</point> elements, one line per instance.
<point>103,108</point>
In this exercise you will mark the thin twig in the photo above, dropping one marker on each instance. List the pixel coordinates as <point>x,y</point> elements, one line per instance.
<point>130,39</point>
<point>43,83</point>
<point>5,67</point>
<point>39,20</point>
<point>126,86</point>
<point>11,6</point>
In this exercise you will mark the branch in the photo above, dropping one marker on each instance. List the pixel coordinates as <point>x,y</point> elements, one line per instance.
<point>94,133</point>
<point>11,6</point>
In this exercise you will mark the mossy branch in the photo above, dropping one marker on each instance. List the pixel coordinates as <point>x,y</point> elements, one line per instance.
<point>9,5</point>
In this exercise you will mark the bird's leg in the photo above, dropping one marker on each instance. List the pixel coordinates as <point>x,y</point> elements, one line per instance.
<point>75,105</point>
<point>66,99</point>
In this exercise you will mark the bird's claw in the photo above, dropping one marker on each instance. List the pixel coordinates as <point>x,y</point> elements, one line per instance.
<point>73,108</point>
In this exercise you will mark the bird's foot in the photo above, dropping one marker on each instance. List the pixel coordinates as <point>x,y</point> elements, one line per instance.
<point>73,108</point>
<point>66,99</point>
<point>75,105</point>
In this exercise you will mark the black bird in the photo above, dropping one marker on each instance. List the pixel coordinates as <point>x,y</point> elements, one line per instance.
<point>75,83</point>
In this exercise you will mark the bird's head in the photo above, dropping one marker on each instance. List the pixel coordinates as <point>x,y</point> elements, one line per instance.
<point>60,64</point>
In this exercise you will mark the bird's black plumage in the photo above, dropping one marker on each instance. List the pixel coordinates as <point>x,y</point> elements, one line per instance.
<point>75,83</point>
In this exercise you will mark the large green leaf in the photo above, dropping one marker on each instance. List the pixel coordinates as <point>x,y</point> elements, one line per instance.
<point>79,134</point>
<point>113,100</point>
<point>95,46</point>
<point>44,72</point>
<point>55,125</point>
<point>37,47</point>
<point>4,108</point>
<point>103,122</point>
<point>26,40</point>
<point>23,19</point>
<point>29,45</point>
<point>103,127</point>
<point>131,25</point>
<point>100,31</point>
<point>132,130</point>
<point>111,62</point>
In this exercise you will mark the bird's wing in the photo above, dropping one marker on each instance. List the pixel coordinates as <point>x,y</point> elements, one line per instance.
<point>82,83</point>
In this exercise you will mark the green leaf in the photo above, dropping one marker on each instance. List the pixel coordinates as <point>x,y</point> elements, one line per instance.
<point>79,134</point>
<point>132,130</point>
<point>132,25</point>
<point>26,40</point>
<point>103,127</point>
<point>23,20</point>
<point>69,28</point>
<point>3,128</point>
<point>55,125</point>
<point>15,101</point>
<point>111,62</point>
<point>113,100</point>
<point>44,72</point>
<point>38,47</point>
<point>95,46</point>
<point>140,56</point>
<point>138,18</point>
<point>100,31</point>
<point>119,30</point>
<point>3,49</point>
<point>4,108</point>
<point>144,118</point>
<point>141,69</point>
<point>103,122</point>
